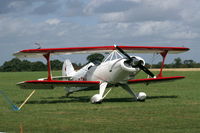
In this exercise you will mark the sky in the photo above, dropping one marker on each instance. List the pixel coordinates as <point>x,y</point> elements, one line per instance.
<point>72,23</point>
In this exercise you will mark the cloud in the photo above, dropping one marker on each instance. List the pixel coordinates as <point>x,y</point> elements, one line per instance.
<point>135,10</point>
<point>7,6</point>
<point>74,8</point>
<point>67,23</point>
<point>116,20</point>
<point>183,35</point>
<point>42,7</point>
<point>46,7</point>
<point>53,21</point>
<point>28,7</point>
<point>109,6</point>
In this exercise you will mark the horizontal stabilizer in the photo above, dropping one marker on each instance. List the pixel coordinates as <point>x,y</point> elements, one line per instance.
<point>51,84</point>
<point>154,80</point>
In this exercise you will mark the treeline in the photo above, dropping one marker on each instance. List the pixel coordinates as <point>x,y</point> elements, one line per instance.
<point>16,65</point>
<point>178,63</point>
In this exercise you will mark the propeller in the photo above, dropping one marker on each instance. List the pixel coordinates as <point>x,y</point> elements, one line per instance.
<point>132,60</point>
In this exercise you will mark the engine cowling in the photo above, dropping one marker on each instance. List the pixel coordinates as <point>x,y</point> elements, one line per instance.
<point>132,67</point>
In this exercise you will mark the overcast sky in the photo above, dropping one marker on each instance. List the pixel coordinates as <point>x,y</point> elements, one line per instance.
<point>68,23</point>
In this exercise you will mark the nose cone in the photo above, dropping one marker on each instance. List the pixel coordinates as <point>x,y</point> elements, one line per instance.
<point>137,60</point>
<point>127,66</point>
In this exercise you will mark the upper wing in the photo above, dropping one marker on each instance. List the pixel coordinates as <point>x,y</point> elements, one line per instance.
<point>82,50</point>
<point>51,84</point>
<point>155,80</point>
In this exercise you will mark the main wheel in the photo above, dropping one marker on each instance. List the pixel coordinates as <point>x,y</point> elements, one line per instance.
<point>96,99</point>
<point>141,96</point>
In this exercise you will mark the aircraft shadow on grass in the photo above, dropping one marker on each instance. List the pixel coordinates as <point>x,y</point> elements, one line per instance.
<point>86,99</point>
<point>159,97</point>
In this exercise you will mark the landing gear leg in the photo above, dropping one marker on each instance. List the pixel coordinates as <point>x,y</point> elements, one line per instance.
<point>141,96</point>
<point>98,98</point>
<point>68,93</point>
<point>128,89</point>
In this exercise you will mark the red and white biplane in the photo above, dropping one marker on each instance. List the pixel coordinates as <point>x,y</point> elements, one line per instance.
<point>115,70</point>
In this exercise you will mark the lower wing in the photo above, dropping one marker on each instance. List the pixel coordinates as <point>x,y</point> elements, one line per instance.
<point>51,84</point>
<point>154,80</point>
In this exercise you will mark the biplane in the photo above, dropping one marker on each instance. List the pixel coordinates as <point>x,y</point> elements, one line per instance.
<point>117,69</point>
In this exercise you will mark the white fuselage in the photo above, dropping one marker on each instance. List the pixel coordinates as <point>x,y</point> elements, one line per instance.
<point>115,71</point>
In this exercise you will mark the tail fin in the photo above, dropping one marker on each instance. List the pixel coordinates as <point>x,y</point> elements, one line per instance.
<point>67,69</point>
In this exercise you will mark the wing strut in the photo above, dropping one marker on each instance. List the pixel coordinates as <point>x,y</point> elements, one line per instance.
<point>47,57</point>
<point>163,54</point>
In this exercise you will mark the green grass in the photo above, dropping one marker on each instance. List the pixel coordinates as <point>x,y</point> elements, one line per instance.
<point>171,107</point>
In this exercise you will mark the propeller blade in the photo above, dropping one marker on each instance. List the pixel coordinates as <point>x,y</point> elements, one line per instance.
<point>123,52</point>
<point>131,60</point>
<point>146,70</point>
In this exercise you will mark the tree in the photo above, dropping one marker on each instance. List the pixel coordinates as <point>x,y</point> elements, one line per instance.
<point>177,62</point>
<point>96,58</point>
<point>38,66</point>
<point>190,64</point>
<point>25,65</point>
<point>56,65</point>
<point>12,65</point>
<point>77,66</point>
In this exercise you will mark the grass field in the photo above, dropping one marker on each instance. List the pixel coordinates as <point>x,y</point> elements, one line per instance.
<point>172,107</point>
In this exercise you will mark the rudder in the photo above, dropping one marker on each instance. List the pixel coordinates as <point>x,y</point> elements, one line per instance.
<point>67,69</point>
